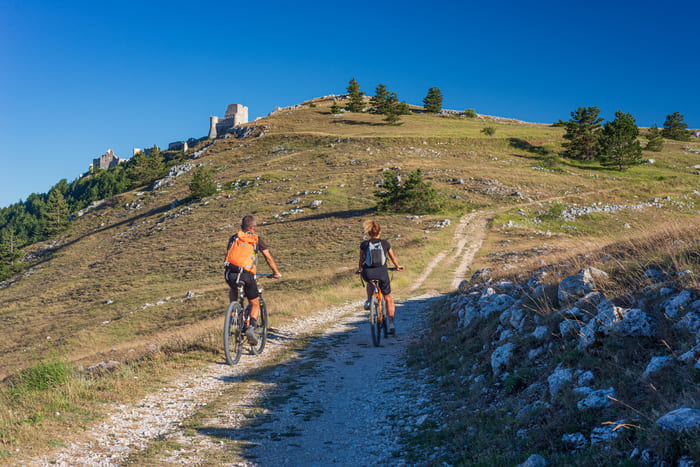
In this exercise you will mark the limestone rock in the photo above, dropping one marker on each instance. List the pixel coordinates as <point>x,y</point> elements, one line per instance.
<point>680,420</point>
<point>558,379</point>
<point>534,460</point>
<point>656,364</point>
<point>574,287</point>
<point>500,359</point>
<point>597,399</point>
<point>574,441</point>
<point>540,333</point>
<point>492,302</point>
<point>675,304</point>
<point>584,378</point>
<point>605,433</point>
<point>691,356</point>
<point>690,322</point>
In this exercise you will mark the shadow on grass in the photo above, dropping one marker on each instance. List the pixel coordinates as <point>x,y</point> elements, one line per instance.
<point>279,421</point>
<point>328,215</point>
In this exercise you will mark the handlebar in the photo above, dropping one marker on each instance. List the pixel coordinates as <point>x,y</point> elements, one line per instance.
<point>269,276</point>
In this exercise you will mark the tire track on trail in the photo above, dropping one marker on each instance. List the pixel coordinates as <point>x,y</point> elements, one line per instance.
<point>331,402</point>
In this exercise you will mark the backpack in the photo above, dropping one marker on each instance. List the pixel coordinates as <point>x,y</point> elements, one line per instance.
<point>243,251</point>
<point>374,256</point>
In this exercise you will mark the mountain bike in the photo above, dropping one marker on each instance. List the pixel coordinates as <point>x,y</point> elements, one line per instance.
<point>236,323</point>
<point>378,317</point>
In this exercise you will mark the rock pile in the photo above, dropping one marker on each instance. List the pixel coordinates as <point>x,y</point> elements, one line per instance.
<point>584,320</point>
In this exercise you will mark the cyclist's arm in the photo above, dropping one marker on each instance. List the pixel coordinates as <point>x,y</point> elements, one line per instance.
<point>271,262</point>
<point>393,259</point>
<point>362,261</point>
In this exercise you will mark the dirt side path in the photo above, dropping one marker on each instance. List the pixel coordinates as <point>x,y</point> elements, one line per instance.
<point>340,401</point>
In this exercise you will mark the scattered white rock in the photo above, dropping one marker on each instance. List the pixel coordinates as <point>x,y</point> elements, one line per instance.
<point>680,420</point>
<point>597,399</point>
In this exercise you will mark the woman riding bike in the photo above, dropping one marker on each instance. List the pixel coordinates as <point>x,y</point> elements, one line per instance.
<point>373,254</point>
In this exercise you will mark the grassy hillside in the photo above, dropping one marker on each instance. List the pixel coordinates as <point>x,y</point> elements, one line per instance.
<point>141,274</point>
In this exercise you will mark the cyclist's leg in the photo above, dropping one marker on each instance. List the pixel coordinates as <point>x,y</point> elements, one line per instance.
<point>229,276</point>
<point>390,307</point>
<point>254,307</point>
<point>251,293</point>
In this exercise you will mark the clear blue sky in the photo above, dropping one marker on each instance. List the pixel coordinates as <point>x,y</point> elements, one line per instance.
<point>78,77</point>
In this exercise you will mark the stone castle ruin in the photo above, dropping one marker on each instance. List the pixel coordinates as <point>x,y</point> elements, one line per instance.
<point>236,114</point>
<point>107,160</point>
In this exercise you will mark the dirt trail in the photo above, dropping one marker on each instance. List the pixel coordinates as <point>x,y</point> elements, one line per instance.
<point>339,401</point>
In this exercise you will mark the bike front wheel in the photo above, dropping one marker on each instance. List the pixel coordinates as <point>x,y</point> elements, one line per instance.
<point>261,329</point>
<point>375,322</point>
<point>233,328</point>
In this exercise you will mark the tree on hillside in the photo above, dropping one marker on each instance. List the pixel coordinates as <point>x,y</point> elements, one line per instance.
<point>144,169</point>
<point>9,253</point>
<point>55,213</point>
<point>357,97</point>
<point>676,128</point>
<point>618,142</point>
<point>335,108</point>
<point>202,184</point>
<point>433,101</point>
<point>582,132</point>
<point>379,100</point>
<point>414,196</point>
<point>655,140</point>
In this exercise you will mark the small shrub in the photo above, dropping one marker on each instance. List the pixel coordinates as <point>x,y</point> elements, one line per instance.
<point>488,131</point>
<point>312,105</point>
<point>202,185</point>
<point>335,108</point>
<point>470,113</point>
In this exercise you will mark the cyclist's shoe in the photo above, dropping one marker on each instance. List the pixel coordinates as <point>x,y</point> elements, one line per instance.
<point>392,330</point>
<point>368,304</point>
<point>251,335</point>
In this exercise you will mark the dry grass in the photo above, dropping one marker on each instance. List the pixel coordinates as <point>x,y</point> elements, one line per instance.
<point>135,257</point>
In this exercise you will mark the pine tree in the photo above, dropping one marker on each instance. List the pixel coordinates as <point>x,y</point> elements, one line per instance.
<point>618,142</point>
<point>414,196</point>
<point>379,100</point>
<point>55,213</point>
<point>433,101</point>
<point>676,128</point>
<point>582,132</point>
<point>9,253</point>
<point>391,109</point>
<point>357,97</point>
<point>202,184</point>
<point>655,139</point>
<point>144,169</point>
<point>335,108</point>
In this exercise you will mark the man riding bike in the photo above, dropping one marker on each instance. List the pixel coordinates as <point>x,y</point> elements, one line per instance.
<point>241,256</point>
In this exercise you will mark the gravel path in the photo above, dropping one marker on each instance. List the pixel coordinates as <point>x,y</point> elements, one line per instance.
<point>339,401</point>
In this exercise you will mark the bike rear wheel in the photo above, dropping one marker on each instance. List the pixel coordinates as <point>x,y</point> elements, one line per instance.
<point>261,329</point>
<point>375,322</point>
<point>233,327</point>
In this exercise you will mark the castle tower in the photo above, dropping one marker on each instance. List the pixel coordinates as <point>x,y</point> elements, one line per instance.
<point>212,127</point>
<point>236,114</point>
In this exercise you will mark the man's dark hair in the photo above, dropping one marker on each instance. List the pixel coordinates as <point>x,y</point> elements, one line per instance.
<point>248,223</point>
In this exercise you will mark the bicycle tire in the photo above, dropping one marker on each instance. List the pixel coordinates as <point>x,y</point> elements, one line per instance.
<point>233,325</point>
<point>261,329</point>
<point>385,319</point>
<point>375,323</point>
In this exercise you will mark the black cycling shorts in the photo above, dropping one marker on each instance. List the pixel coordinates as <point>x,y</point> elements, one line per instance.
<point>250,287</point>
<point>380,274</point>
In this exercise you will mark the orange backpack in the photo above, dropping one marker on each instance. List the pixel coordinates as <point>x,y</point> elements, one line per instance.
<point>243,251</point>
